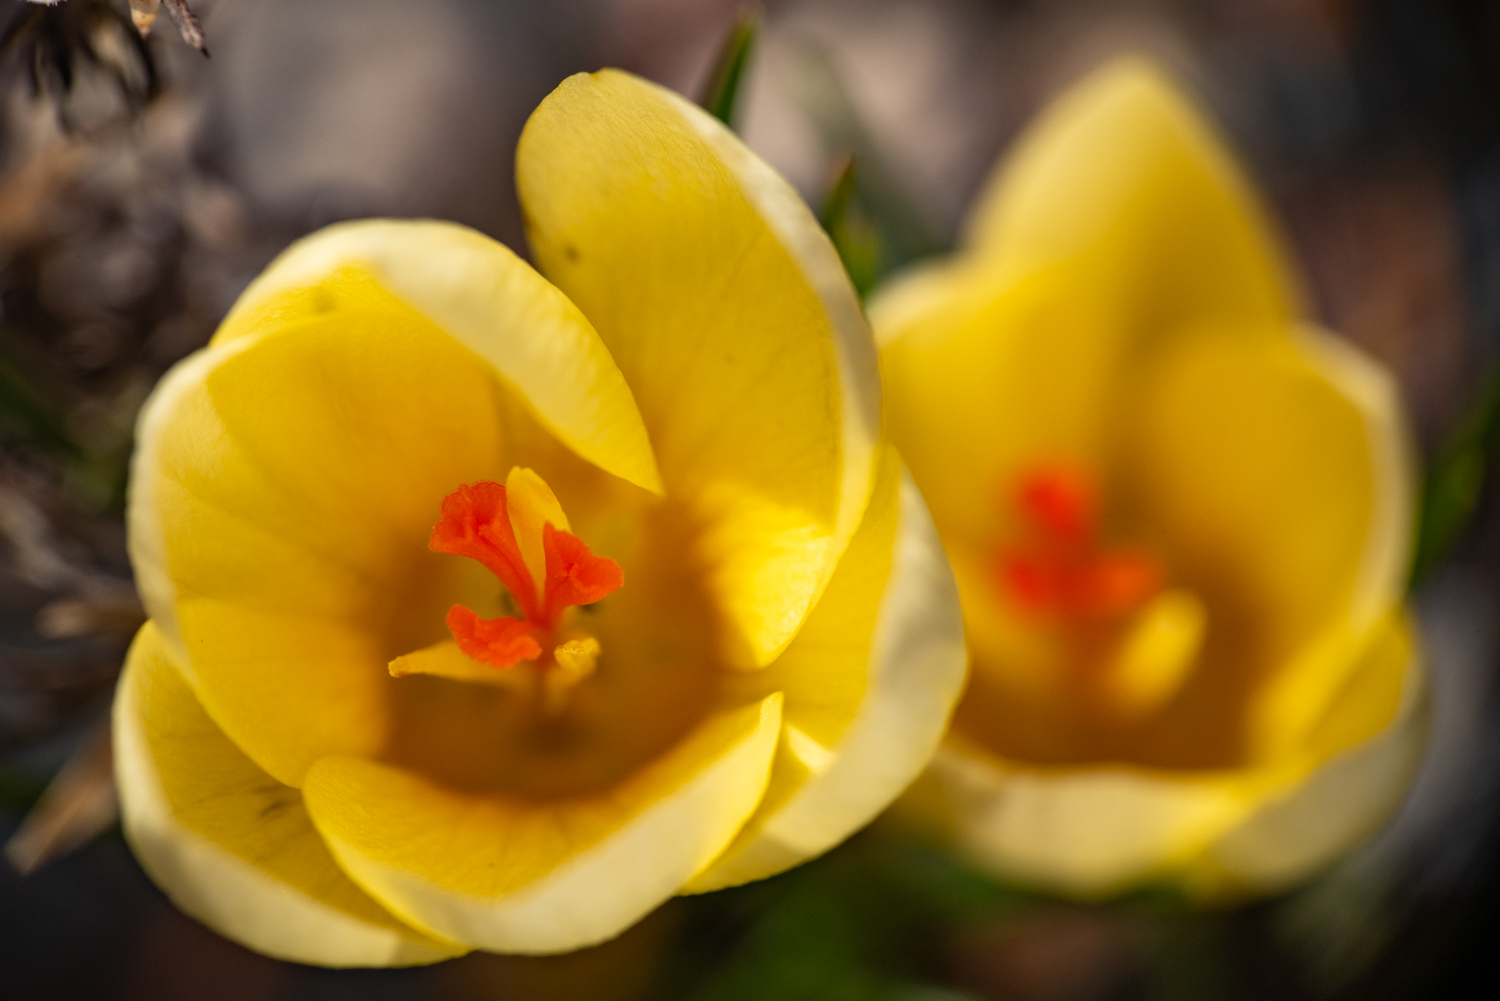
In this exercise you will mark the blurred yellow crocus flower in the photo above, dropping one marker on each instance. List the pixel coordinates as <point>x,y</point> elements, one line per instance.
<point>489,611</point>
<point>1178,514</point>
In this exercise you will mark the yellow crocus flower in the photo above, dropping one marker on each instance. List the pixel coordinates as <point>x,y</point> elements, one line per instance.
<point>1178,514</point>
<point>489,611</point>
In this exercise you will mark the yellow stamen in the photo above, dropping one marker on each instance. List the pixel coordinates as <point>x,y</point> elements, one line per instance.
<point>572,662</point>
<point>1156,654</point>
<point>576,658</point>
<point>446,660</point>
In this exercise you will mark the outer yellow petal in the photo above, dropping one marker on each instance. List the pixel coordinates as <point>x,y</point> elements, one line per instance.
<point>281,498</point>
<point>870,681</point>
<point>1095,831</point>
<point>1307,825</point>
<point>1275,478</point>
<point>488,299</point>
<point>987,374</point>
<point>1087,833</point>
<point>232,846</point>
<point>1123,185</point>
<point>732,319</point>
<point>1297,695</point>
<point>540,876</point>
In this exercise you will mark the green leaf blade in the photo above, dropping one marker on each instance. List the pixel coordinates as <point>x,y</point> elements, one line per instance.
<point>722,96</point>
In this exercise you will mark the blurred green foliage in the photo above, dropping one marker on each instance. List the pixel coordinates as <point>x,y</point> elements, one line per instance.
<point>722,98</point>
<point>88,447</point>
<point>871,222</point>
<point>27,412</point>
<point>1455,478</point>
<point>867,212</point>
<point>892,916</point>
<point>855,234</point>
<point>867,922</point>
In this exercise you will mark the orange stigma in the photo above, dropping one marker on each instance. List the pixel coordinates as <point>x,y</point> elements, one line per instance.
<point>518,530</point>
<point>1062,569</point>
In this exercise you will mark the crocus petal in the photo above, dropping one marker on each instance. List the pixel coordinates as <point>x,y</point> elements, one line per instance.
<point>734,324</point>
<point>1360,784</point>
<point>232,846</point>
<point>869,682</point>
<point>1123,185</point>
<point>1118,222</point>
<point>281,499</point>
<point>1095,831</point>
<point>544,876</point>
<point>487,299</point>
<point>1277,479</point>
<point>1296,695</point>
<point>986,377</point>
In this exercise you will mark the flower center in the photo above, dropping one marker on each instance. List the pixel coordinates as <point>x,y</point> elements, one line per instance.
<point>1061,569</point>
<point>1131,641</point>
<point>519,532</point>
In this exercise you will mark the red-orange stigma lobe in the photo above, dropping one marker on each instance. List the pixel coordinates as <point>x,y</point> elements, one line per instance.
<point>1063,570</point>
<point>476,523</point>
<point>499,642</point>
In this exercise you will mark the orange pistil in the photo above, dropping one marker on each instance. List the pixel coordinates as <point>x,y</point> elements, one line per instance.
<point>480,520</point>
<point>1063,570</point>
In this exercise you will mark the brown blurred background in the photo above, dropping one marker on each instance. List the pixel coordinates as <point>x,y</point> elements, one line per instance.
<point>138,196</point>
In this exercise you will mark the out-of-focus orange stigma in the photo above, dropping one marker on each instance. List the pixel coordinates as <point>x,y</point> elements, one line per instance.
<point>519,531</point>
<point>1061,503</point>
<point>1060,568</point>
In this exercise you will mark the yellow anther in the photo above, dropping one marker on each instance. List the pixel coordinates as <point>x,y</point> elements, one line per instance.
<point>572,662</point>
<point>576,658</point>
<point>1156,654</point>
<point>446,660</point>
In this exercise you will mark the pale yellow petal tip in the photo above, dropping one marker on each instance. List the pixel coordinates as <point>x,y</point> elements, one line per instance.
<point>1131,84</point>
<point>229,845</point>
<point>574,874</point>
<point>479,292</point>
<point>1133,73</point>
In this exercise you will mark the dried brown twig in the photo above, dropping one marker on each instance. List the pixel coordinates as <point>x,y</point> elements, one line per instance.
<point>78,805</point>
<point>143,14</point>
<point>56,41</point>
<point>62,47</point>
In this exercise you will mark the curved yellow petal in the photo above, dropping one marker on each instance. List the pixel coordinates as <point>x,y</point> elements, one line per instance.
<point>1123,185</point>
<point>544,876</point>
<point>734,324</point>
<point>1297,694</point>
<point>1091,832</point>
<point>1087,833</point>
<point>483,295</point>
<point>281,498</point>
<point>1117,225</point>
<point>1275,478</point>
<point>229,844</point>
<point>1362,781</point>
<point>870,681</point>
<point>985,377</point>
